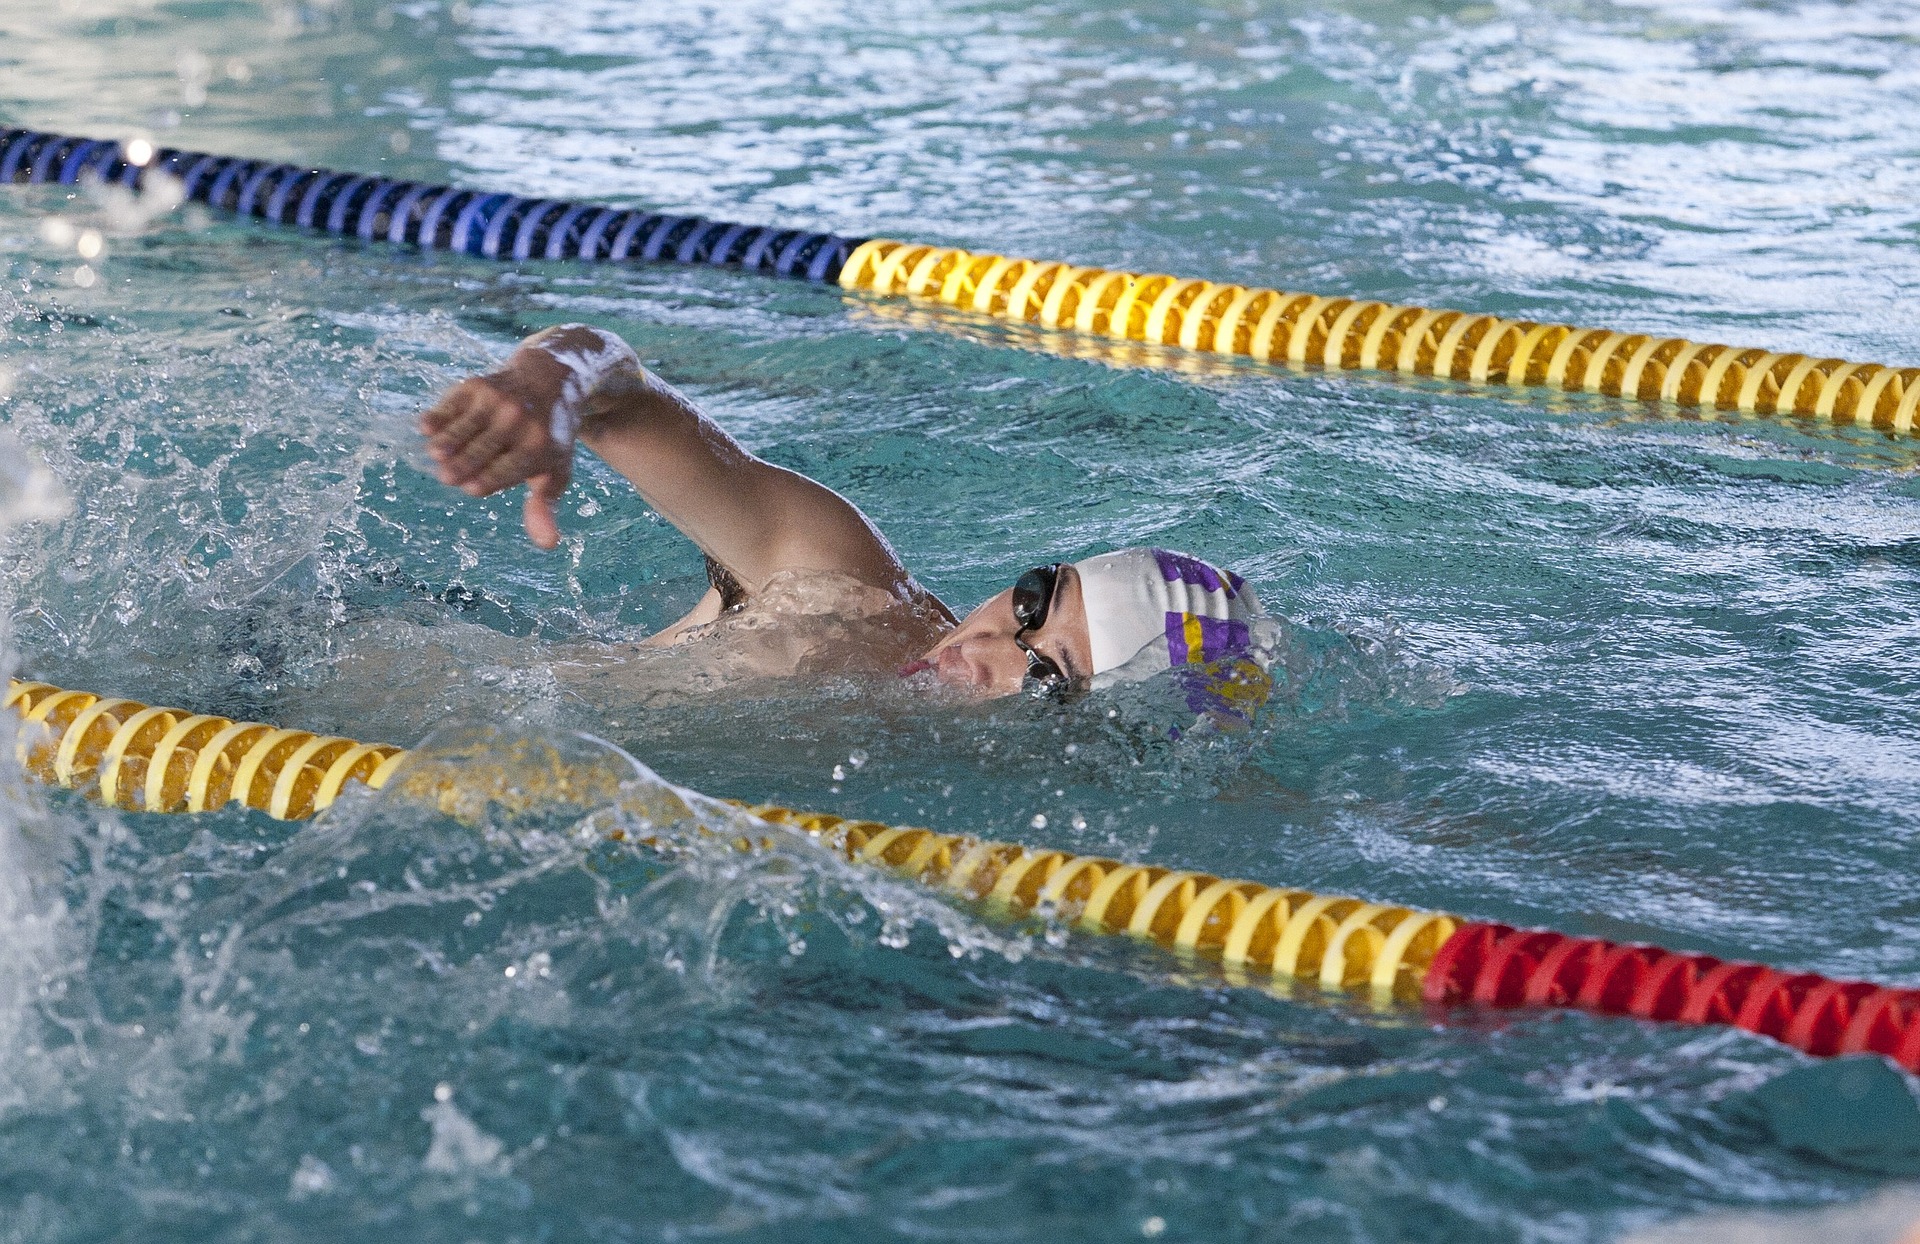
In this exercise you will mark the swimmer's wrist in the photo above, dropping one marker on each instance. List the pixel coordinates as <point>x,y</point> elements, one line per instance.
<point>589,357</point>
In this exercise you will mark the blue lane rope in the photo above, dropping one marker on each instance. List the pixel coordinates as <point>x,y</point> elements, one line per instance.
<point>1265,325</point>
<point>472,222</point>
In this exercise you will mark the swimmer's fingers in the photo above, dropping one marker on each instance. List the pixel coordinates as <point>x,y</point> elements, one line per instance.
<point>463,406</point>
<point>461,417</point>
<point>530,452</point>
<point>542,491</point>
<point>473,425</point>
<point>499,445</point>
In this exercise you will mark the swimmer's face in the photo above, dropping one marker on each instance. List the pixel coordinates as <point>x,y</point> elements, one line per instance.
<point>984,654</point>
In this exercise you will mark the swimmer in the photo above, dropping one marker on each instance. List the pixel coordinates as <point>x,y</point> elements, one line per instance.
<point>789,559</point>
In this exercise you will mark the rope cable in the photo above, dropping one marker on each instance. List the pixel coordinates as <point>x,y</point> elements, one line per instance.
<point>139,757</point>
<point>1264,325</point>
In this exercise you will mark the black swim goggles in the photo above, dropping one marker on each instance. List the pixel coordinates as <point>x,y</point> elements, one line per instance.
<point>1032,598</point>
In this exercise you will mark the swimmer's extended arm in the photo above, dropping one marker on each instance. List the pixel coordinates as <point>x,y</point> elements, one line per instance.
<point>756,519</point>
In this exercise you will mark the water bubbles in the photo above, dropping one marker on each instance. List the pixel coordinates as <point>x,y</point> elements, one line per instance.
<point>1153,1228</point>
<point>458,1143</point>
<point>1078,822</point>
<point>1039,820</point>
<point>311,1178</point>
<point>194,70</point>
<point>858,758</point>
<point>400,141</point>
<point>443,1092</point>
<point>90,244</point>
<point>85,277</point>
<point>58,231</point>
<point>139,152</point>
<point>839,773</point>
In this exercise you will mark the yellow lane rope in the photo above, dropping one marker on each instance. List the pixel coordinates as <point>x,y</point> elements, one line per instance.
<point>1281,326</point>
<point>134,756</point>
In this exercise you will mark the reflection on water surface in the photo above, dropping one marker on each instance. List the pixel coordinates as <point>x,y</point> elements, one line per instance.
<point>1572,665</point>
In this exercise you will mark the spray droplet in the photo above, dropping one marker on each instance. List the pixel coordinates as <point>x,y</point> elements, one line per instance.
<point>443,1091</point>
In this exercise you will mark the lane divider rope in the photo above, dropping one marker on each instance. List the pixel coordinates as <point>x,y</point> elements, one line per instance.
<point>1241,321</point>
<point>432,217</point>
<point>135,756</point>
<point>1283,326</point>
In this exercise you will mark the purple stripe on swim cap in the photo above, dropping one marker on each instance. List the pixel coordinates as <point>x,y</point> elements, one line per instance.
<point>1177,569</point>
<point>1222,637</point>
<point>1177,638</point>
<point>1219,637</point>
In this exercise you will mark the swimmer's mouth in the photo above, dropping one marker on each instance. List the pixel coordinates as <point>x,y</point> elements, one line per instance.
<point>925,675</point>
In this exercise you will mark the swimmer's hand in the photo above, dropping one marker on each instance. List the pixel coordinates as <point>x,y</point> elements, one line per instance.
<point>491,432</point>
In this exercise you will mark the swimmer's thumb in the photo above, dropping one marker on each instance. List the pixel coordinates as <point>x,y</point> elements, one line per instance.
<point>542,491</point>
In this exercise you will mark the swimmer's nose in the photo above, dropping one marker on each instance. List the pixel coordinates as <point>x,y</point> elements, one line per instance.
<point>915,667</point>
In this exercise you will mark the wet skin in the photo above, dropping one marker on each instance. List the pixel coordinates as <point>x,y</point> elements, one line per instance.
<point>489,433</point>
<point>981,655</point>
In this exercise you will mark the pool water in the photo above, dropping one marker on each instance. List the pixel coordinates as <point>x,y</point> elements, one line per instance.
<point>1576,663</point>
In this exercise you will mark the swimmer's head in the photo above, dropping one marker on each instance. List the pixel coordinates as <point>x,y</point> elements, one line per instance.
<point>1118,617</point>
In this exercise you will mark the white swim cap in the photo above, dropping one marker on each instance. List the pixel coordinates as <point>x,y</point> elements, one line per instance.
<point>1151,609</point>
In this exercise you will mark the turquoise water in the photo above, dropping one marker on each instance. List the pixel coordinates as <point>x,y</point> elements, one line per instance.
<point>1581,665</point>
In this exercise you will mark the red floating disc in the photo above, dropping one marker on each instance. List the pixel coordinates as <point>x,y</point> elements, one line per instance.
<point>1556,980</point>
<point>1879,1022</point>
<point>1502,979</point>
<point>1450,975</point>
<point>1663,991</point>
<point>1717,997</point>
<point>1824,1014</point>
<point>1773,1000</point>
<point>1613,981</point>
